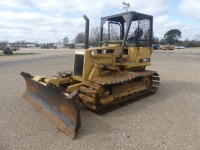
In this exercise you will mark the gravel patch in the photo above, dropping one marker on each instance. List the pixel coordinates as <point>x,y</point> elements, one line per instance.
<point>170,119</point>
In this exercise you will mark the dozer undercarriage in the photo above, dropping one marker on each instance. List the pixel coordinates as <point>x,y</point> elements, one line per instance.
<point>100,92</point>
<point>103,77</point>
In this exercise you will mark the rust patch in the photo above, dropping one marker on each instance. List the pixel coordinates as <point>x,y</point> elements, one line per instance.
<point>120,77</point>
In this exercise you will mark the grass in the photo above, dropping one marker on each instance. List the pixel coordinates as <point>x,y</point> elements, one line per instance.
<point>16,54</point>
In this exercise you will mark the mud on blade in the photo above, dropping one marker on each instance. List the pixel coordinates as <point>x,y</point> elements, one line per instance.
<point>59,109</point>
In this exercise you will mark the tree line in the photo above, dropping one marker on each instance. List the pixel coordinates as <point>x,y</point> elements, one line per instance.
<point>172,36</point>
<point>80,37</point>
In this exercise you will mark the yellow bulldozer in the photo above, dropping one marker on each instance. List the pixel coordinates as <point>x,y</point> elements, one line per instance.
<point>167,47</point>
<point>103,77</point>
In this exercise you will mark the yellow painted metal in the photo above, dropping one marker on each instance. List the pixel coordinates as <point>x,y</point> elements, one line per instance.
<point>86,98</point>
<point>76,78</point>
<point>74,87</point>
<point>58,81</point>
<point>111,98</point>
<point>94,72</point>
<point>94,60</point>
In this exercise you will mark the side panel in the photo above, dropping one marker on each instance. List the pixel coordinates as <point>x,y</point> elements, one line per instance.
<point>136,54</point>
<point>103,56</point>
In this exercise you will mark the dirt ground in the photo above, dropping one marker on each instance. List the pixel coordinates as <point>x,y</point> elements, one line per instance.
<point>170,119</point>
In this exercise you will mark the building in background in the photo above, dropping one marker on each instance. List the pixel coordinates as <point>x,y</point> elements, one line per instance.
<point>79,46</point>
<point>20,45</point>
<point>30,45</point>
<point>58,45</point>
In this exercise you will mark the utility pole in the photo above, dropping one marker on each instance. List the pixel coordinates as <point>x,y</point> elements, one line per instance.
<point>126,5</point>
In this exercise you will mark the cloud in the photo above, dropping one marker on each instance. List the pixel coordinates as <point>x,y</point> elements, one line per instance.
<point>38,26</point>
<point>155,7</point>
<point>75,6</point>
<point>190,8</point>
<point>51,20</point>
<point>96,7</point>
<point>13,4</point>
<point>162,24</point>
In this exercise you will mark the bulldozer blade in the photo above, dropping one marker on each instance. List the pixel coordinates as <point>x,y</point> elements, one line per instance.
<point>62,111</point>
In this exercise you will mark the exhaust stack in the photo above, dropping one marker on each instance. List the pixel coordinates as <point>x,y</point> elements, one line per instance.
<point>86,32</point>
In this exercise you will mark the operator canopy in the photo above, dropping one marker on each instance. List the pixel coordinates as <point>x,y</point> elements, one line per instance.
<point>131,28</point>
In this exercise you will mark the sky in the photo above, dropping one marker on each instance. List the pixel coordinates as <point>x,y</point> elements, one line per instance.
<point>52,20</point>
